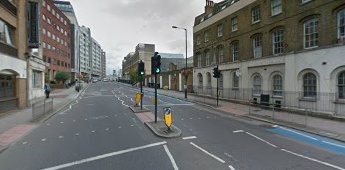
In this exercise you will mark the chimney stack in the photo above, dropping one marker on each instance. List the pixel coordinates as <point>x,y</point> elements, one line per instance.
<point>209,7</point>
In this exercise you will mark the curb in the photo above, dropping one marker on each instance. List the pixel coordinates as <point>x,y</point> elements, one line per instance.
<point>163,135</point>
<point>3,148</point>
<point>134,110</point>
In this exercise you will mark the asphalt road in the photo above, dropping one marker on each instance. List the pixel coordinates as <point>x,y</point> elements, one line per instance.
<point>98,131</point>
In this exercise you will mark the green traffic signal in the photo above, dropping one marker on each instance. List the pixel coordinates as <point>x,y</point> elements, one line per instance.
<point>158,70</point>
<point>142,73</point>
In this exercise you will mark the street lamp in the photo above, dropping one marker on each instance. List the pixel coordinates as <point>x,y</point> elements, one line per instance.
<point>185,73</point>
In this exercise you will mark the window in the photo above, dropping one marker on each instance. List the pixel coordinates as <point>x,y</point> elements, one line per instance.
<point>311,35</point>
<point>256,14</point>
<point>277,85</point>
<point>65,33</point>
<point>200,80</point>
<point>54,37</point>
<point>44,45</point>
<point>235,51</point>
<point>61,30</point>
<point>7,86</point>
<point>341,24</point>
<point>48,7</point>
<point>198,40</point>
<point>208,60</point>
<point>257,85</point>
<point>36,79</point>
<point>309,85</point>
<point>49,21</point>
<point>257,46</point>
<point>44,3</point>
<point>206,36</point>
<point>220,54</point>
<point>341,85</point>
<point>57,27</point>
<point>58,16</point>
<point>7,33</point>
<point>53,11</point>
<point>44,17</point>
<point>49,46</point>
<point>278,41</point>
<point>276,7</point>
<point>221,80</point>
<point>235,80</point>
<point>220,30</point>
<point>234,24</point>
<point>65,22</point>
<point>49,34</point>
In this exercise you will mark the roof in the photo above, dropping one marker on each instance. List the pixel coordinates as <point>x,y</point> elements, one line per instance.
<point>171,55</point>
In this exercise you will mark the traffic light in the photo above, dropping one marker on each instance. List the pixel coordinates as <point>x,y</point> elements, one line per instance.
<point>141,68</point>
<point>216,72</point>
<point>156,64</point>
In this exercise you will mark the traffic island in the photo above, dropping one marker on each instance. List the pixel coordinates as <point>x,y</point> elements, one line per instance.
<point>137,109</point>
<point>161,130</point>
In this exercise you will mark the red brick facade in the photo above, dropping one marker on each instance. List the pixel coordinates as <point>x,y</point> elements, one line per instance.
<point>56,40</point>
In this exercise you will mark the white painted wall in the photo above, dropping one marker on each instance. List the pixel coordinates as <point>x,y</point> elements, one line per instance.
<point>15,64</point>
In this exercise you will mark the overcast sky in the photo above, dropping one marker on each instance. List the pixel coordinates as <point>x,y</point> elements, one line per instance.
<point>119,25</point>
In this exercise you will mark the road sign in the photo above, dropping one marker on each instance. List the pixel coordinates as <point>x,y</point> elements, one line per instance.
<point>168,116</point>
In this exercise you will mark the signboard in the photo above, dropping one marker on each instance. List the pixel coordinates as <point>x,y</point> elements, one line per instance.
<point>168,116</point>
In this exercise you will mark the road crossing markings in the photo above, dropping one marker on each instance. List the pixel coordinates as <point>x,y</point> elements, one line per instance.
<point>104,156</point>
<point>231,167</point>
<point>24,143</point>
<point>43,140</point>
<point>312,159</point>
<point>189,137</point>
<point>208,153</point>
<point>261,140</point>
<point>170,157</point>
<point>238,131</point>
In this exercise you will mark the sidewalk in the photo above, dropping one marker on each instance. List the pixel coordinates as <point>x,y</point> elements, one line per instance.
<point>17,123</point>
<point>324,127</point>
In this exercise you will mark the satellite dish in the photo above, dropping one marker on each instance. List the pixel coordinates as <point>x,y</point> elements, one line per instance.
<point>238,73</point>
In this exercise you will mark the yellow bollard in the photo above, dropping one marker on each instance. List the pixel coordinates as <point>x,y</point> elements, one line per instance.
<point>137,99</point>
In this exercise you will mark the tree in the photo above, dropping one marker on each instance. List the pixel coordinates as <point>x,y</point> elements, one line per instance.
<point>133,75</point>
<point>62,76</point>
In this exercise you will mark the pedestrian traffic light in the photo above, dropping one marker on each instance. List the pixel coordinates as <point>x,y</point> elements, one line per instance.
<point>141,68</point>
<point>216,72</point>
<point>156,64</point>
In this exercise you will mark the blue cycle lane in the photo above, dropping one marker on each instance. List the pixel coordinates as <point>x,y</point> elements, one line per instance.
<point>314,140</point>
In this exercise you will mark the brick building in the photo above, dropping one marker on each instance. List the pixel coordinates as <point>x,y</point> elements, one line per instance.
<point>56,40</point>
<point>292,51</point>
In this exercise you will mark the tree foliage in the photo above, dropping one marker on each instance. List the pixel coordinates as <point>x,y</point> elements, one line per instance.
<point>62,76</point>
<point>133,75</point>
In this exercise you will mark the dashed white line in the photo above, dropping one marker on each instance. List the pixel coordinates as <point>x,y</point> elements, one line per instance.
<point>189,137</point>
<point>119,127</point>
<point>231,167</point>
<point>44,139</point>
<point>104,156</point>
<point>106,129</point>
<point>314,160</point>
<point>132,125</point>
<point>190,118</point>
<point>182,119</point>
<point>261,140</point>
<point>208,153</point>
<point>238,131</point>
<point>77,134</point>
<point>61,122</point>
<point>70,106</point>
<point>60,137</point>
<point>85,119</point>
<point>73,120</point>
<point>93,131</point>
<point>170,157</point>
<point>24,143</point>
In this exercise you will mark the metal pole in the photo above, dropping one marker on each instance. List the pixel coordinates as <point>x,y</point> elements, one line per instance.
<point>185,74</point>
<point>217,92</point>
<point>141,93</point>
<point>155,97</point>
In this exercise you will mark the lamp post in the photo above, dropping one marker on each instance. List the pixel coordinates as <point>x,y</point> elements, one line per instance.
<point>185,72</point>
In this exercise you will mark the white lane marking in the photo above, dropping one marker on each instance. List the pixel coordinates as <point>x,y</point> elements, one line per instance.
<point>61,122</point>
<point>307,136</point>
<point>189,137</point>
<point>208,153</point>
<point>275,126</point>
<point>119,127</point>
<point>132,125</point>
<point>48,124</point>
<point>312,159</point>
<point>104,156</point>
<point>24,143</point>
<point>85,119</point>
<point>190,118</point>
<point>77,134</point>
<point>237,131</point>
<point>60,137</point>
<point>170,157</point>
<point>73,120</point>
<point>231,167</point>
<point>76,101</point>
<point>261,140</point>
<point>70,106</point>
<point>334,144</point>
<point>132,100</point>
<point>106,129</point>
<point>93,131</point>
<point>44,139</point>
<point>182,119</point>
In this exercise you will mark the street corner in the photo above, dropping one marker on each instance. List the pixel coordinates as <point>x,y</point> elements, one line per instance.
<point>137,109</point>
<point>13,134</point>
<point>160,129</point>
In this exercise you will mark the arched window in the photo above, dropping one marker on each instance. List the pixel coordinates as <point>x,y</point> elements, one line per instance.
<point>309,85</point>
<point>277,85</point>
<point>257,85</point>
<point>341,85</point>
<point>209,80</point>
<point>200,80</point>
<point>235,80</point>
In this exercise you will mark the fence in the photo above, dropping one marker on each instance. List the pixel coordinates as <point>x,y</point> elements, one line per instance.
<point>327,103</point>
<point>42,107</point>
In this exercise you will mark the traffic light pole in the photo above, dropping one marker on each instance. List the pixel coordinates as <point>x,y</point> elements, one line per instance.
<point>217,91</point>
<point>141,92</point>
<point>155,97</point>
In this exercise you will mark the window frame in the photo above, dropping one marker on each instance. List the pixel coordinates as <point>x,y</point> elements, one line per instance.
<point>256,14</point>
<point>257,45</point>
<point>277,89</point>
<point>307,86</point>
<point>9,34</point>
<point>279,5</point>
<point>311,34</point>
<point>278,46</point>
<point>234,24</point>
<point>257,85</point>
<point>235,81</point>
<point>341,85</point>
<point>220,30</point>
<point>342,14</point>
<point>234,52</point>
<point>206,38</point>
